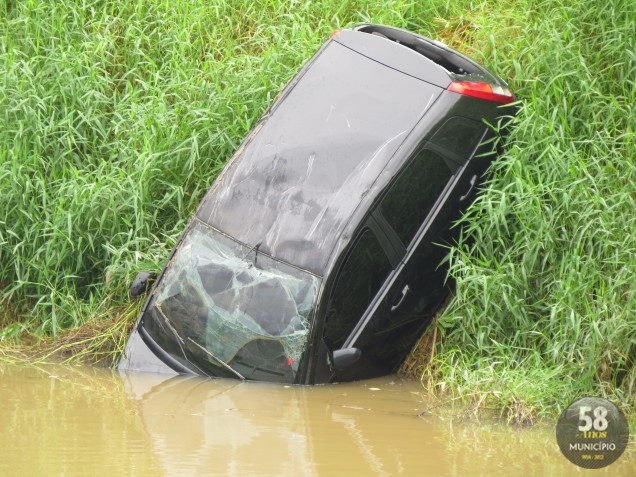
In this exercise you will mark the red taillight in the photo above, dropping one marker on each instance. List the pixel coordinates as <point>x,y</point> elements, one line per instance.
<point>335,32</point>
<point>483,91</point>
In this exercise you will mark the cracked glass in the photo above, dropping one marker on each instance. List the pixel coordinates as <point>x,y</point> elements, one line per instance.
<point>229,310</point>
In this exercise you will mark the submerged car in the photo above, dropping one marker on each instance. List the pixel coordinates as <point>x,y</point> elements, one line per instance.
<point>315,255</point>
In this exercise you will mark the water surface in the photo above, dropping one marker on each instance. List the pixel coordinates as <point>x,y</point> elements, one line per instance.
<point>88,421</point>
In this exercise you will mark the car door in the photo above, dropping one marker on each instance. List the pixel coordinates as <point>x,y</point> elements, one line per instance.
<point>369,263</point>
<point>414,215</point>
<point>365,270</point>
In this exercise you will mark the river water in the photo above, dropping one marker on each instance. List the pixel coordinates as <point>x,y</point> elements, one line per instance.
<point>71,421</point>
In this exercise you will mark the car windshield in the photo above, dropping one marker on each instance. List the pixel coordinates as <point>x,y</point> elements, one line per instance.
<point>228,310</point>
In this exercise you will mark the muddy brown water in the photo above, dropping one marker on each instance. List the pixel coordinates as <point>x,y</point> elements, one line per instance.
<point>69,421</point>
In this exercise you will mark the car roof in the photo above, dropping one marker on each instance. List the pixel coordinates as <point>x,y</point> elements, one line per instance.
<point>294,184</point>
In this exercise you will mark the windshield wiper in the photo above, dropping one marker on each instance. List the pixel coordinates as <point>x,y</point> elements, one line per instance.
<point>218,360</point>
<point>255,247</point>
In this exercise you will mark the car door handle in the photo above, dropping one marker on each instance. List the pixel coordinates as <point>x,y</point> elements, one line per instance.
<point>473,181</point>
<point>405,292</point>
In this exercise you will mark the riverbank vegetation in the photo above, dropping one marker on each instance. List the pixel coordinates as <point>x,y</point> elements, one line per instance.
<point>115,117</point>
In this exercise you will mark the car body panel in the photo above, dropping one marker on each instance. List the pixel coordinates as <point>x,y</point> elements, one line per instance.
<point>313,159</point>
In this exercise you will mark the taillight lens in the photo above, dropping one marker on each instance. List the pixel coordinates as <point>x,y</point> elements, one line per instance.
<point>485,91</point>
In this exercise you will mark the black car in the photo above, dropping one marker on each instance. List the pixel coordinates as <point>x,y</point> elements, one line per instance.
<point>314,257</point>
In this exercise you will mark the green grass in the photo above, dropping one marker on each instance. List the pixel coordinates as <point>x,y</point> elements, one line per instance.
<point>545,309</point>
<point>115,117</point>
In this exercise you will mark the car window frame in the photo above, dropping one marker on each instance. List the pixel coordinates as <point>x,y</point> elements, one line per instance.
<point>399,254</point>
<point>454,164</point>
<point>393,256</point>
<point>405,252</point>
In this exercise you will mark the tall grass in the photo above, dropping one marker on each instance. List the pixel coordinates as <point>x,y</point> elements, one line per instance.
<point>115,117</point>
<point>545,308</point>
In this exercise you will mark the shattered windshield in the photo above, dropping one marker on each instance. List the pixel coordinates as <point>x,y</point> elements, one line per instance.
<point>230,311</point>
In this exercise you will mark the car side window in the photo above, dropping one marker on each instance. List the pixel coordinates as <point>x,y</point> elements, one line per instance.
<point>459,135</point>
<point>412,196</point>
<point>360,278</point>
